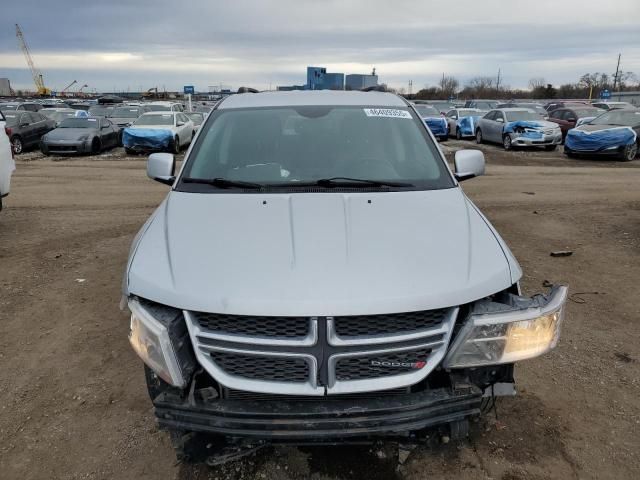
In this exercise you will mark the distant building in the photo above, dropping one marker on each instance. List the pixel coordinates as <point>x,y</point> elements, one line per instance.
<point>5,87</point>
<point>358,81</point>
<point>319,79</point>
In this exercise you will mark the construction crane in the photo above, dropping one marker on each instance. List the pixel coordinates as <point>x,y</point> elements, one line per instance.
<point>79,92</point>
<point>64,90</point>
<point>35,73</point>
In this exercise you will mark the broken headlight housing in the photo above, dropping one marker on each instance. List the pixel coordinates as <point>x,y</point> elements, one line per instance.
<point>159,336</point>
<point>506,333</point>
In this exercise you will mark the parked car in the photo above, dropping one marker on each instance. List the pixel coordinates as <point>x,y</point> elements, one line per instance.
<point>434,120</point>
<point>101,111</point>
<point>517,127</point>
<point>569,117</point>
<point>25,129</point>
<point>536,107</point>
<point>81,135</point>
<point>551,106</point>
<point>442,106</point>
<point>125,115</point>
<point>7,164</point>
<point>164,106</point>
<point>316,274</point>
<point>80,106</point>
<point>197,118</point>
<point>163,130</point>
<point>21,106</point>
<point>462,121</point>
<point>59,114</point>
<point>616,132</point>
<point>612,105</point>
<point>485,105</point>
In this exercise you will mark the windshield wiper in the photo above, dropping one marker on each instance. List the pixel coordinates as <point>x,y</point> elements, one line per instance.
<point>223,183</point>
<point>358,182</point>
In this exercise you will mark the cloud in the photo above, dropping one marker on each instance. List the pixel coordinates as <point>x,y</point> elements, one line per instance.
<point>126,44</point>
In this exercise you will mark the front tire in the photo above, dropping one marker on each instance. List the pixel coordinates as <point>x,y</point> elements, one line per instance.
<point>95,146</point>
<point>506,142</point>
<point>175,146</point>
<point>629,153</point>
<point>458,134</point>
<point>478,136</point>
<point>44,149</point>
<point>17,145</point>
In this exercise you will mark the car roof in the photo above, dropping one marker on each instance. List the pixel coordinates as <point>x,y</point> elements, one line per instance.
<point>162,112</point>
<point>515,109</point>
<point>311,98</point>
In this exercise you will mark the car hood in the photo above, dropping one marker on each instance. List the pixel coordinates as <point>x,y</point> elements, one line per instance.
<point>121,120</point>
<point>318,253</point>
<point>153,127</point>
<point>69,133</point>
<point>594,128</point>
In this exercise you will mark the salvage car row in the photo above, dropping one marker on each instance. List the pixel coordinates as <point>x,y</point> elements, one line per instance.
<point>583,128</point>
<point>59,129</point>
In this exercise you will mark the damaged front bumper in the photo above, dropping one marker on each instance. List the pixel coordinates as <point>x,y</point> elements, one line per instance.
<point>319,420</point>
<point>542,140</point>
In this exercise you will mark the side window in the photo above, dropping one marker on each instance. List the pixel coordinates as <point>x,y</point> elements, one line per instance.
<point>556,114</point>
<point>567,114</point>
<point>452,114</point>
<point>27,118</point>
<point>500,115</point>
<point>490,116</point>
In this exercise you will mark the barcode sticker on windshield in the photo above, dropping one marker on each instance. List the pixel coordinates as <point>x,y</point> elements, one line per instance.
<point>386,112</point>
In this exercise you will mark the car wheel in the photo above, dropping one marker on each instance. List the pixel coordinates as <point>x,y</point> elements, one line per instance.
<point>129,151</point>
<point>16,144</point>
<point>175,146</point>
<point>95,146</point>
<point>44,149</point>
<point>506,142</point>
<point>629,152</point>
<point>444,138</point>
<point>478,136</point>
<point>458,134</point>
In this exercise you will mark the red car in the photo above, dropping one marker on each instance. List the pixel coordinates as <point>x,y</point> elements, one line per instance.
<point>567,117</point>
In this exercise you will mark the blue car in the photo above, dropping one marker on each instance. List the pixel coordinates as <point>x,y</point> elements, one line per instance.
<point>434,120</point>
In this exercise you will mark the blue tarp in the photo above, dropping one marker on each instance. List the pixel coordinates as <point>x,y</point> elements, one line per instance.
<point>437,125</point>
<point>467,125</point>
<point>584,141</point>
<point>150,138</point>
<point>529,129</point>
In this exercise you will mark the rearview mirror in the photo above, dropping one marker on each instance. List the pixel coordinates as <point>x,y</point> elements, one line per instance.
<point>468,164</point>
<point>161,168</point>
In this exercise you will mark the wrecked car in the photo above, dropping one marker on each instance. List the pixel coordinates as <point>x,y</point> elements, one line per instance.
<point>615,133</point>
<point>316,274</point>
<point>516,127</point>
<point>462,121</point>
<point>434,120</point>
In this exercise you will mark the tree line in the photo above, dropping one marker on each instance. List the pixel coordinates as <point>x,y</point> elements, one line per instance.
<point>589,84</point>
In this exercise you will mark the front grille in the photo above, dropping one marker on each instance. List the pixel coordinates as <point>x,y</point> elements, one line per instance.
<point>283,327</point>
<point>381,365</point>
<point>316,356</point>
<point>391,324</point>
<point>254,367</point>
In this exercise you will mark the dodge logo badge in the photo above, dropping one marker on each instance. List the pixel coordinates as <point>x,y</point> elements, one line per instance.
<point>415,365</point>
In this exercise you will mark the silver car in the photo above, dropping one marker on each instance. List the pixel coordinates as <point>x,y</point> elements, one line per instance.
<point>518,127</point>
<point>466,128</point>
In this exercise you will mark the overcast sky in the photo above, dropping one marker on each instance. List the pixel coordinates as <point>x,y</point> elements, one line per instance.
<point>134,44</point>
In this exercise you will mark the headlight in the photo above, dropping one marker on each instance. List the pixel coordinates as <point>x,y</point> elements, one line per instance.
<point>83,138</point>
<point>150,339</point>
<point>509,336</point>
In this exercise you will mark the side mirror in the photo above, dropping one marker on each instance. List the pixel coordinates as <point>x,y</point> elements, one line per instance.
<point>161,168</point>
<point>180,124</point>
<point>468,164</point>
<point>500,119</point>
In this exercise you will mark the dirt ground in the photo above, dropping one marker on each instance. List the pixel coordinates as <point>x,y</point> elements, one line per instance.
<point>72,399</point>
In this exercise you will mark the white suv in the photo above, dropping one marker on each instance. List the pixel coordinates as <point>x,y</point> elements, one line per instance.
<point>317,274</point>
<point>7,165</point>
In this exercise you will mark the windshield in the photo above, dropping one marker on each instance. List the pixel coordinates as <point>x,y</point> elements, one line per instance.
<point>59,116</point>
<point>626,118</point>
<point>126,112</point>
<point>163,119</point>
<point>427,110</point>
<point>8,106</point>
<point>587,112</point>
<point>521,115</point>
<point>288,145</point>
<point>468,113</point>
<point>159,108</point>
<point>196,118</point>
<point>79,123</point>
<point>537,108</point>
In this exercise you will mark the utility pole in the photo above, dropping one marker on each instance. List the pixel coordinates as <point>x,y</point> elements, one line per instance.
<point>498,83</point>
<point>615,78</point>
<point>410,87</point>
